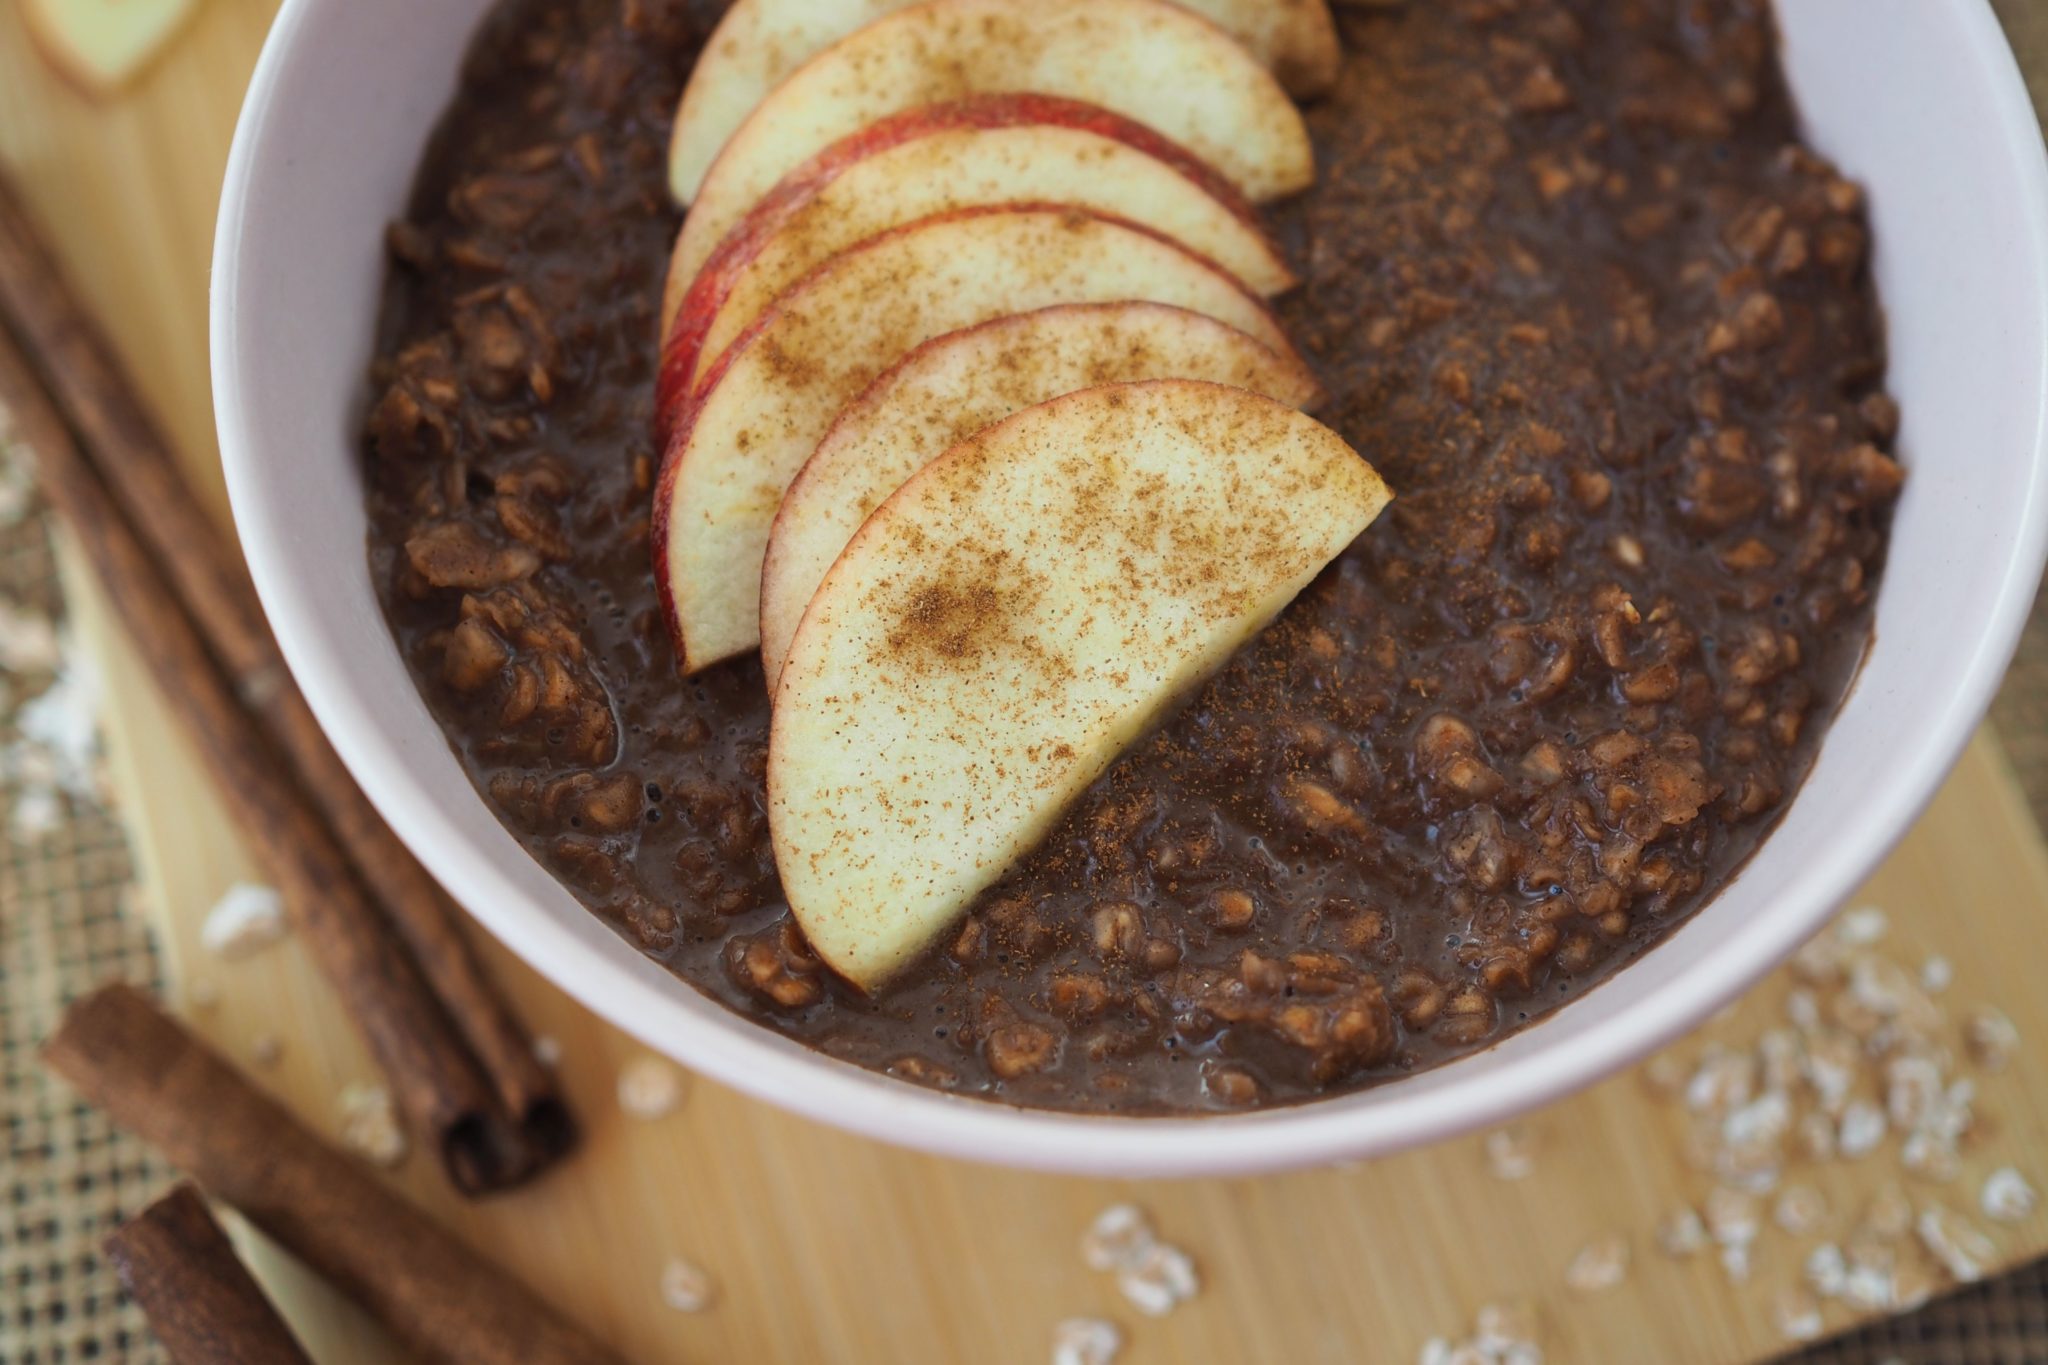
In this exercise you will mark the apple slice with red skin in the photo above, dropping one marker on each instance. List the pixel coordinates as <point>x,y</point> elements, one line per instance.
<point>763,408</point>
<point>988,149</point>
<point>1013,618</point>
<point>1149,60</point>
<point>759,42</point>
<point>956,384</point>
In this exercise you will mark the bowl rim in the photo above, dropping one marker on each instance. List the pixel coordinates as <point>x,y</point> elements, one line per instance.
<point>753,1059</point>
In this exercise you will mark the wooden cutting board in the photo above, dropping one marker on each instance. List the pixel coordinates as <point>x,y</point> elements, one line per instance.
<point>831,1248</point>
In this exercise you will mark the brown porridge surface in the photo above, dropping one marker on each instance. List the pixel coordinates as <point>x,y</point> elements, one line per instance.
<point>1596,316</point>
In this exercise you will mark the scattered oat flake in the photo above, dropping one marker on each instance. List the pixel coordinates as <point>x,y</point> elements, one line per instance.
<point>1990,1038</point>
<point>650,1088</point>
<point>686,1286</point>
<point>1827,1270</point>
<point>1937,974</point>
<point>60,731</point>
<point>1503,1327</point>
<point>1913,1086</point>
<point>245,920</point>
<point>1157,1279</point>
<point>1862,1129</point>
<point>1724,1080</point>
<point>547,1050</point>
<point>1732,1216</point>
<point>1962,1250</point>
<point>1869,1288</point>
<point>1511,1152</point>
<point>1735,1261</point>
<point>1600,1264</point>
<point>1665,1073</point>
<point>1832,1060</point>
<point>1117,1237</point>
<point>1681,1232</point>
<point>34,812</point>
<point>1797,1314</point>
<point>1930,1158</point>
<point>1503,1334</point>
<point>1086,1341</point>
<point>1863,926</point>
<point>1819,960</point>
<point>369,1125</point>
<point>1763,1120</point>
<point>2006,1197</point>
<point>1802,1010</point>
<point>1800,1210</point>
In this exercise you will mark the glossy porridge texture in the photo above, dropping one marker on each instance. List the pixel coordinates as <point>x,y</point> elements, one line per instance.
<point>1585,302</point>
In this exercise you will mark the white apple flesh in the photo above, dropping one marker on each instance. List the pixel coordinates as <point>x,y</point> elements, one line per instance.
<point>1149,60</point>
<point>953,386</point>
<point>1014,617</point>
<point>760,42</point>
<point>761,412</point>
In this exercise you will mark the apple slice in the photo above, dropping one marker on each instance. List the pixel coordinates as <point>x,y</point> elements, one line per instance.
<point>764,406</point>
<point>101,45</point>
<point>1010,620</point>
<point>759,42</point>
<point>1148,60</point>
<point>953,386</point>
<point>988,149</point>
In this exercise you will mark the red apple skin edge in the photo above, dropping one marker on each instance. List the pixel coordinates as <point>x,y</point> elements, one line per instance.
<point>685,421</point>
<point>713,283</point>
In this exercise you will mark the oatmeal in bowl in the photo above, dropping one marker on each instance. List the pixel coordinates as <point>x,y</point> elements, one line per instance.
<point>938,596</point>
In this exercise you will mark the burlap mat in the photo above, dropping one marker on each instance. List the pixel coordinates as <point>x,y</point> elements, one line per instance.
<point>65,925</point>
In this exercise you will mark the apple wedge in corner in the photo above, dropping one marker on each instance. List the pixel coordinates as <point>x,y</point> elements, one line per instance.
<point>988,149</point>
<point>953,386</point>
<point>1149,60</point>
<point>1010,620</point>
<point>763,408</point>
<point>759,42</point>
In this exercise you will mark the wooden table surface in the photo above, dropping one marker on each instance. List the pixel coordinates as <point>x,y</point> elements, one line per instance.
<point>826,1247</point>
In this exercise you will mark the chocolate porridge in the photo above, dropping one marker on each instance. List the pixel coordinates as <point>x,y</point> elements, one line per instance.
<point>1583,300</point>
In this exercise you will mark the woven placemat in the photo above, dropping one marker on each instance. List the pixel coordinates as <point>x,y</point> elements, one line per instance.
<point>67,1178</point>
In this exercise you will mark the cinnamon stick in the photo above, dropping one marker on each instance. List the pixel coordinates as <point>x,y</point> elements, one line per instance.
<point>199,1298</point>
<point>434,1077</point>
<point>153,1078</point>
<point>138,468</point>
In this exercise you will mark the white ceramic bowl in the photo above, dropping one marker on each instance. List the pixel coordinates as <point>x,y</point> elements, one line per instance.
<point>1919,99</point>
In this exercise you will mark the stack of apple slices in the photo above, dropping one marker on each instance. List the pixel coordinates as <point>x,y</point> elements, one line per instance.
<point>977,425</point>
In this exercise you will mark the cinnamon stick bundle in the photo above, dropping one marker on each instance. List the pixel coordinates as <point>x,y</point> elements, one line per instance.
<point>199,1298</point>
<point>434,1076</point>
<point>118,478</point>
<point>153,1078</point>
